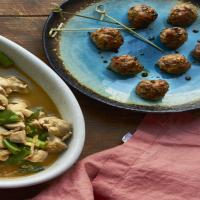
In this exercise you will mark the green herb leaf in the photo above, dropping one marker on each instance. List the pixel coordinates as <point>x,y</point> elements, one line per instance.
<point>8,117</point>
<point>43,136</point>
<point>31,130</point>
<point>13,148</point>
<point>41,144</point>
<point>19,157</point>
<point>31,168</point>
<point>5,61</point>
<point>38,143</point>
<point>34,115</point>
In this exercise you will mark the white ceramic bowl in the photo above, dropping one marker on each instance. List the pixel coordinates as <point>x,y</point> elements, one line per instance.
<point>66,103</point>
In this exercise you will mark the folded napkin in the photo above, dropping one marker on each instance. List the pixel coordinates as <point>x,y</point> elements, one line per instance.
<point>160,162</point>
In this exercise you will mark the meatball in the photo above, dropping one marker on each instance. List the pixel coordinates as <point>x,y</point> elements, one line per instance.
<point>107,39</point>
<point>196,52</point>
<point>183,15</point>
<point>152,89</point>
<point>174,37</point>
<point>140,16</point>
<point>125,65</point>
<point>174,64</point>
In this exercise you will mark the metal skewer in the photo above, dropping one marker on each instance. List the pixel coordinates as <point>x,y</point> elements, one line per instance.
<point>101,10</point>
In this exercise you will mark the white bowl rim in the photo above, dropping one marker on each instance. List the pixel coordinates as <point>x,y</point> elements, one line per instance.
<point>46,175</point>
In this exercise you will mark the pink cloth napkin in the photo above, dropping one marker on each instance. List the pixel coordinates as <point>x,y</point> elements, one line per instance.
<point>160,162</point>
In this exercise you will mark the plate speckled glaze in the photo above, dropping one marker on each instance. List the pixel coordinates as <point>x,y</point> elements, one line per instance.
<point>74,57</point>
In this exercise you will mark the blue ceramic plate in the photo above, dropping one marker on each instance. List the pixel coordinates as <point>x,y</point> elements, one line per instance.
<point>74,57</point>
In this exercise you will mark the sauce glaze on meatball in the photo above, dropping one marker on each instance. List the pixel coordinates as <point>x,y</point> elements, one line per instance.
<point>107,39</point>
<point>174,37</point>
<point>125,65</point>
<point>183,15</point>
<point>140,16</point>
<point>174,64</point>
<point>152,89</point>
<point>196,52</point>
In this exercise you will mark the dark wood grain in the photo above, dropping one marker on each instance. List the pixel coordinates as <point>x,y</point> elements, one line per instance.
<point>26,7</point>
<point>105,125</point>
<point>26,32</point>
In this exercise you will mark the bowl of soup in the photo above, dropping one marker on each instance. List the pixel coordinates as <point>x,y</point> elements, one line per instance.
<point>42,129</point>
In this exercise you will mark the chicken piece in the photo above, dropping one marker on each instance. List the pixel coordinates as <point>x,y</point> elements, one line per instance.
<point>55,145</point>
<point>183,15</point>
<point>107,39</point>
<point>140,16</point>
<point>125,65</point>
<point>173,37</point>
<point>13,84</point>
<point>1,142</point>
<point>196,52</point>
<point>37,156</point>
<point>3,99</point>
<point>16,126</point>
<point>18,137</point>
<point>2,91</point>
<point>4,85</point>
<point>4,132</point>
<point>41,114</point>
<point>20,108</point>
<point>3,102</point>
<point>152,89</point>
<point>2,129</point>
<point>55,126</point>
<point>35,123</point>
<point>174,64</point>
<point>4,154</point>
<point>67,136</point>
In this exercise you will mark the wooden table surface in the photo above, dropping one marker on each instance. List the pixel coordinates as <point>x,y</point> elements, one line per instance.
<point>22,21</point>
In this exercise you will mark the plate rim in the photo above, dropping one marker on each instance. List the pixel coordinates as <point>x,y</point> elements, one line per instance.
<point>69,79</point>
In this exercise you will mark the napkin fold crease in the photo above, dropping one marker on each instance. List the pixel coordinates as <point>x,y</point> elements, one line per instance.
<point>160,162</point>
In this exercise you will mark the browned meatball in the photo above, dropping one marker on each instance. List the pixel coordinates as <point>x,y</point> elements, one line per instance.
<point>140,16</point>
<point>183,15</point>
<point>152,89</point>
<point>107,39</point>
<point>125,65</point>
<point>174,37</point>
<point>196,52</point>
<point>174,64</point>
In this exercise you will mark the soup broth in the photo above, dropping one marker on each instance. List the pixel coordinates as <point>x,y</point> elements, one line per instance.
<point>36,97</point>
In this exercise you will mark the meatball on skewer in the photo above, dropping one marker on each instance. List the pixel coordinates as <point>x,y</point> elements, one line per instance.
<point>152,89</point>
<point>107,39</point>
<point>174,37</point>
<point>183,15</point>
<point>196,52</point>
<point>125,65</point>
<point>140,16</point>
<point>174,64</point>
